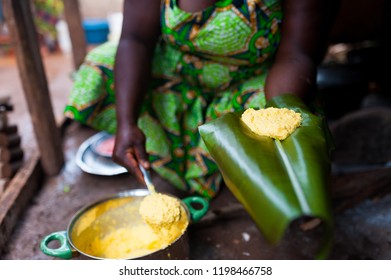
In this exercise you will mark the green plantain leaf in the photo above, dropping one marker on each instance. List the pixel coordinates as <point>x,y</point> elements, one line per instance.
<point>276,181</point>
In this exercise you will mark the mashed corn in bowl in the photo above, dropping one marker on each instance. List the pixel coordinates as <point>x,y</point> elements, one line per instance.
<point>114,229</point>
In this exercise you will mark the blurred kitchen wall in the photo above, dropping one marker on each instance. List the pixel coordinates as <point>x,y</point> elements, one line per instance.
<point>99,8</point>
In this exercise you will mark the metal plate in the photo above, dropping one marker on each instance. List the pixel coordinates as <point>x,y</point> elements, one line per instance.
<point>93,163</point>
<point>95,146</point>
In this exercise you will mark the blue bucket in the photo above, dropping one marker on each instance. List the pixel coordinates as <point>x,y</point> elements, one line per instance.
<point>96,30</point>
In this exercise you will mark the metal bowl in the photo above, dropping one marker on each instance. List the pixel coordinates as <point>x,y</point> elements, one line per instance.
<point>71,243</point>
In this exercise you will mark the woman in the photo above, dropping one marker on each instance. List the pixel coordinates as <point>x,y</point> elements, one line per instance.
<point>46,15</point>
<point>179,64</point>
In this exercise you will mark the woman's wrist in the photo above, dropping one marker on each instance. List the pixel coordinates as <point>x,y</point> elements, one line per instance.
<point>126,124</point>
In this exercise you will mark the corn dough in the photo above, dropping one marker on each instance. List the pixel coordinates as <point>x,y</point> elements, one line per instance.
<point>164,214</point>
<point>160,209</point>
<point>277,123</point>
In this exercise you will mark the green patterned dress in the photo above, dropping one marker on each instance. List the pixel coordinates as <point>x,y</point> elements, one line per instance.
<point>207,63</point>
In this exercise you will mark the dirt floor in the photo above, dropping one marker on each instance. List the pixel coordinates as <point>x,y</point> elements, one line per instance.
<point>363,228</point>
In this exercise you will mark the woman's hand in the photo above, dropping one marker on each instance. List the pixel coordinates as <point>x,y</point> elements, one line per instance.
<point>129,150</point>
<point>132,73</point>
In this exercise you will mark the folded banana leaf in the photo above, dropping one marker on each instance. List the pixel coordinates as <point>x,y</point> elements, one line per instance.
<point>276,181</point>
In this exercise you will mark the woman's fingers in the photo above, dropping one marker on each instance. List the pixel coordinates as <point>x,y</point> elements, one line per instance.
<point>132,162</point>
<point>130,151</point>
<point>142,156</point>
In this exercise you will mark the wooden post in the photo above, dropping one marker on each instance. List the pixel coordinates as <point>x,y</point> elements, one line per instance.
<point>20,22</point>
<point>76,31</point>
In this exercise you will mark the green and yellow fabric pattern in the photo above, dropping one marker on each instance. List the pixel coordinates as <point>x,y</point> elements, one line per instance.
<point>206,64</point>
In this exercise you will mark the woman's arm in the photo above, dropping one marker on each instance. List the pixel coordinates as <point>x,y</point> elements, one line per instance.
<point>132,72</point>
<point>304,40</point>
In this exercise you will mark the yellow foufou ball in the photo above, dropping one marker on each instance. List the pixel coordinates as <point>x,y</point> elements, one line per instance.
<point>277,123</point>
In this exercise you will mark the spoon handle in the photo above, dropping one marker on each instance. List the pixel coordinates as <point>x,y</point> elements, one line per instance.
<point>147,179</point>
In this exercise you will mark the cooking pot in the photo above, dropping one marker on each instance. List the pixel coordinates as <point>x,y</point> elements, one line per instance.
<point>104,216</point>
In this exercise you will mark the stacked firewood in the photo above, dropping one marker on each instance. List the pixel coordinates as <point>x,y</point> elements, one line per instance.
<point>11,153</point>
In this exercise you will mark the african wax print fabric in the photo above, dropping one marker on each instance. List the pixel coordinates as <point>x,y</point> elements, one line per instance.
<point>206,64</point>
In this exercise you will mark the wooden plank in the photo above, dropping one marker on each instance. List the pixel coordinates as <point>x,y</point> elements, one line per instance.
<point>78,39</point>
<point>9,140</point>
<point>9,129</point>
<point>20,22</point>
<point>7,170</point>
<point>11,155</point>
<point>17,195</point>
